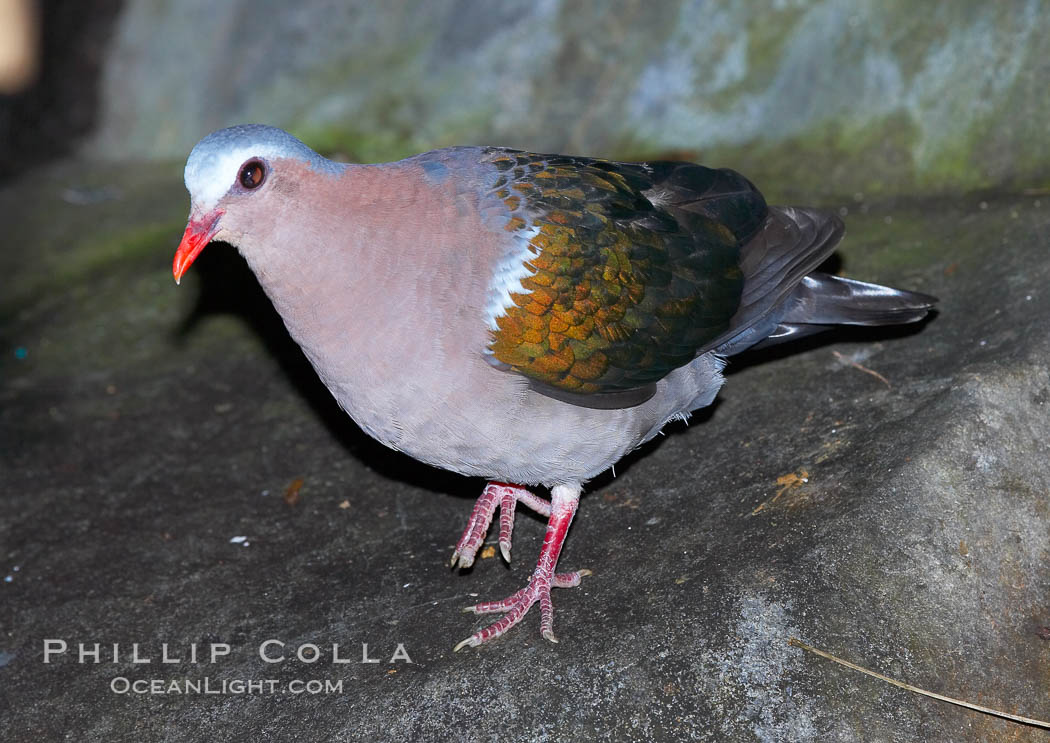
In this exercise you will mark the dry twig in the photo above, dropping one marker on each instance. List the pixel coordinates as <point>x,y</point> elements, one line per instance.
<point>866,370</point>
<point>968,705</point>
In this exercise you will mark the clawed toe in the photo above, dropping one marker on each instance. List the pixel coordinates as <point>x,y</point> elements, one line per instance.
<point>515,606</point>
<point>560,511</point>
<point>495,495</point>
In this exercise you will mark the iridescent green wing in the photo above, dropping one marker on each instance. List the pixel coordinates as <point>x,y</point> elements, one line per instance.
<point>624,271</point>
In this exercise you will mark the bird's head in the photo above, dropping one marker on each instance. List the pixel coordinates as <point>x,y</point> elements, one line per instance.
<point>229,174</point>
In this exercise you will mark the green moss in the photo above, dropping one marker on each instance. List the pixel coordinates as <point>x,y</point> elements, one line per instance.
<point>92,257</point>
<point>954,163</point>
<point>343,142</point>
<point>837,158</point>
<point>952,128</point>
<point>767,35</point>
<point>98,255</point>
<point>386,127</point>
<point>823,164</point>
<point>898,241</point>
<point>883,246</point>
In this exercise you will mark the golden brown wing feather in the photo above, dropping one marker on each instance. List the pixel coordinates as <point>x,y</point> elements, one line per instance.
<point>634,267</point>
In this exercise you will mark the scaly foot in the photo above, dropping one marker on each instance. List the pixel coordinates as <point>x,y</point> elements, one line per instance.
<point>538,589</point>
<point>506,497</point>
<point>564,500</point>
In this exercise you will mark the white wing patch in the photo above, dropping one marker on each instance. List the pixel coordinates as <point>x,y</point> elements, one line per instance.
<point>507,276</point>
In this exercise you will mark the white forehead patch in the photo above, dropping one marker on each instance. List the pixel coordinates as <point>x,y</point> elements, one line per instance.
<point>215,161</point>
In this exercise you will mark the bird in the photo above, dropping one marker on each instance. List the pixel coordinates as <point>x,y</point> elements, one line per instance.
<point>524,318</point>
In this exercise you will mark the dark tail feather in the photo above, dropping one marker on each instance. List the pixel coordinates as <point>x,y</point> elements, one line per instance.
<point>822,300</point>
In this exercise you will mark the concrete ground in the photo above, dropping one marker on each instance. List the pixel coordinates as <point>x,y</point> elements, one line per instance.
<point>175,474</point>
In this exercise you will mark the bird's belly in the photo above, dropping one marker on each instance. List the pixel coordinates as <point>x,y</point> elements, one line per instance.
<point>500,430</point>
<point>465,416</point>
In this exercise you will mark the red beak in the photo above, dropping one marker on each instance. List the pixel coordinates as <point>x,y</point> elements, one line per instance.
<point>199,233</point>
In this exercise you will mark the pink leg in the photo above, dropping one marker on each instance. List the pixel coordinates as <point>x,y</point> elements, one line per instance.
<point>506,497</point>
<point>564,500</point>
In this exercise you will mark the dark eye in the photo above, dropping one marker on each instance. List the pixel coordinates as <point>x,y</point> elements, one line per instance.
<point>253,173</point>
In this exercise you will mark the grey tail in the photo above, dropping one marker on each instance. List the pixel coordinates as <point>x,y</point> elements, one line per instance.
<point>785,297</point>
<point>821,301</point>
